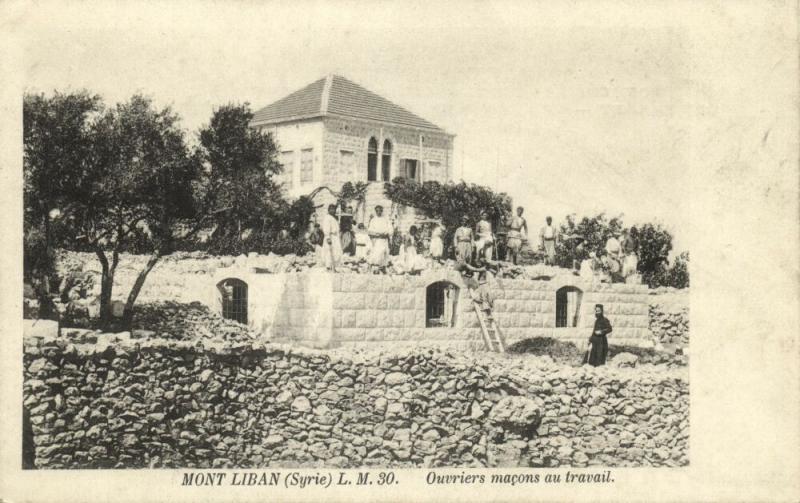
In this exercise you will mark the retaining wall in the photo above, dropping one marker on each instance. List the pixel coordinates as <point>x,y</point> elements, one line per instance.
<point>378,309</point>
<point>178,405</point>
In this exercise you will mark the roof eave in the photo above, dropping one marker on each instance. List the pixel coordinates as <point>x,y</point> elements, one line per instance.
<point>297,118</point>
<point>281,120</point>
<point>435,129</point>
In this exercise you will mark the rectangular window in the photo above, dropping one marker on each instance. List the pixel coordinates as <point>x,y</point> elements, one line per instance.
<point>410,169</point>
<point>434,171</point>
<point>346,165</point>
<point>287,163</point>
<point>307,165</point>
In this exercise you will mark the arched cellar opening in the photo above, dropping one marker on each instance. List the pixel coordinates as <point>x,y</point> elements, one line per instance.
<point>441,302</point>
<point>233,298</point>
<point>568,306</point>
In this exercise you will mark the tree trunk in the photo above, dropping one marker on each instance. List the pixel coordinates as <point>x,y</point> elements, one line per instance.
<point>127,315</point>
<point>106,287</point>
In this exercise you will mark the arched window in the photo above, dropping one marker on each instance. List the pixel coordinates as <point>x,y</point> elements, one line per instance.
<point>568,306</point>
<point>372,160</point>
<point>233,295</point>
<point>386,160</point>
<point>441,301</point>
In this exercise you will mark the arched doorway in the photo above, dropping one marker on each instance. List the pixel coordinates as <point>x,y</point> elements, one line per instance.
<point>386,160</point>
<point>441,303</point>
<point>568,306</point>
<point>233,297</point>
<point>372,160</point>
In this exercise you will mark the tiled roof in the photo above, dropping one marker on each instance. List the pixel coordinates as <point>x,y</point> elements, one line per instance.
<point>337,96</point>
<point>307,102</point>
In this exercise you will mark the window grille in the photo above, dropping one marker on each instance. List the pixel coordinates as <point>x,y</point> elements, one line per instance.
<point>386,160</point>
<point>372,160</point>
<point>410,170</point>
<point>307,165</point>
<point>287,163</point>
<point>434,171</point>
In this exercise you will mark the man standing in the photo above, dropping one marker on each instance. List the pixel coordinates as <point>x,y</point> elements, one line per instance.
<point>515,236</point>
<point>332,246</point>
<point>599,341</point>
<point>346,231</point>
<point>380,230</point>
<point>462,241</point>
<point>630,260</point>
<point>548,236</point>
<point>614,258</point>
<point>484,234</point>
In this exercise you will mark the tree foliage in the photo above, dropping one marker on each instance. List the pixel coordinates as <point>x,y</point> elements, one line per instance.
<point>239,163</point>
<point>56,140</point>
<point>654,245</point>
<point>593,233</point>
<point>56,146</point>
<point>121,176</point>
<point>450,202</point>
<point>675,275</point>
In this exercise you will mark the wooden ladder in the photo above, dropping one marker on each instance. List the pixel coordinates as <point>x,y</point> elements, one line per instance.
<point>492,337</point>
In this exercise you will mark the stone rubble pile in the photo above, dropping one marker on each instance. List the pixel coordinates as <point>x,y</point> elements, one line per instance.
<point>202,263</point>
<point>160,403</point>
<point>193,322</point>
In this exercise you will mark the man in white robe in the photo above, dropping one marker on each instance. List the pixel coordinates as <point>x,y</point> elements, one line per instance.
<point>331,246</point>
<point>380,230</point>
<point>549,237</point>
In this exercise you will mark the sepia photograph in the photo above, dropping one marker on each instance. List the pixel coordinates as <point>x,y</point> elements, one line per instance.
<point>326,278</point>
<point>267,246</point>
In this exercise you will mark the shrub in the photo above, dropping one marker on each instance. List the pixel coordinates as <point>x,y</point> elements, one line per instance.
<point>653,241</point>
<point>675,276</point>
<point>595,231</point>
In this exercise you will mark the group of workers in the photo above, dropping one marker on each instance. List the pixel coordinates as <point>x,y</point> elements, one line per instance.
<point>616,262</point>
<point>335,237</point>
<point>475,254</point>
<point>475,248</point>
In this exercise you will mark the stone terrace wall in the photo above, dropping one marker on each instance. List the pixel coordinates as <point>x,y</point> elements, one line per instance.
<point>370,309</point>
<point>185,279</point>
<point>182,406</point>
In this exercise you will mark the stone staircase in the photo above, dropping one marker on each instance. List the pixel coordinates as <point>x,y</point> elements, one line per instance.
<point>405,216</point>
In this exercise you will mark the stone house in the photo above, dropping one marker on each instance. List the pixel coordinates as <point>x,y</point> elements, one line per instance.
<point>334,131</point>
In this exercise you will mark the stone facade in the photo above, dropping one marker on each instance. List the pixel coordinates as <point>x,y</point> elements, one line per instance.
<point>329,151</point>
<point>432,150</point>
<point>361,310</point>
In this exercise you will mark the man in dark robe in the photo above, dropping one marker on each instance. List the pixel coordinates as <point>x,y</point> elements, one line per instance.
<point>346,232</point>
<point>598,340</point>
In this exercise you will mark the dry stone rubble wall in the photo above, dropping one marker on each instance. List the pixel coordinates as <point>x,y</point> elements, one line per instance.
<point>157,403</point>
<point>669,316</point>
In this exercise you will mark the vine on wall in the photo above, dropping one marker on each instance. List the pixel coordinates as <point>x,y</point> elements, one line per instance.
<point>450,202</point>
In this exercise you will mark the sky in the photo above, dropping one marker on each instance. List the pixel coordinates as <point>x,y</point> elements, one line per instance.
<point>566,114</point>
